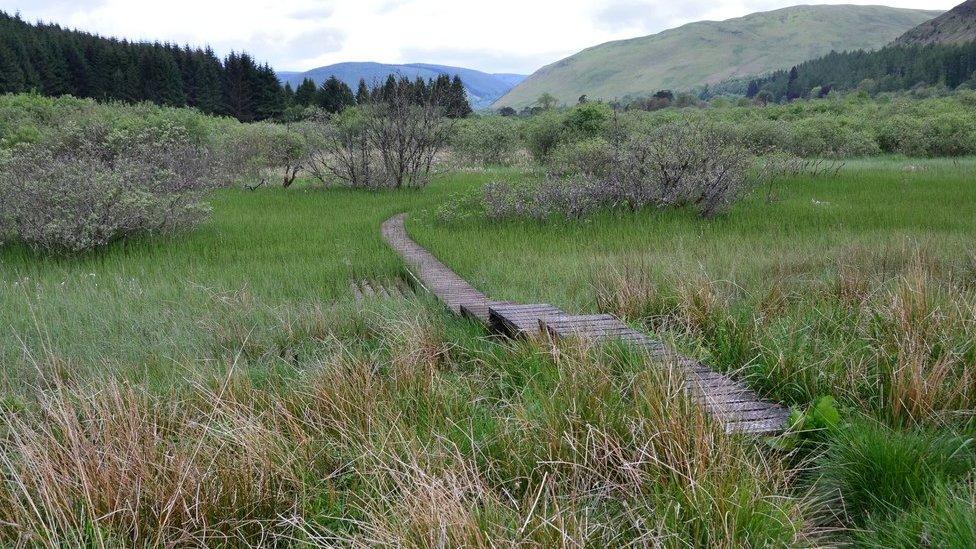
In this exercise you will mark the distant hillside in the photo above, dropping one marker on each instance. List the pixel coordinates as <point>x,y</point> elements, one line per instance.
<point>708,52</point>
<point>483,88</point>
<point>955,26</point>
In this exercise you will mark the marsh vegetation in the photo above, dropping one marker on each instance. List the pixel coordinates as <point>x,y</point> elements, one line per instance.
<point>218,383</point>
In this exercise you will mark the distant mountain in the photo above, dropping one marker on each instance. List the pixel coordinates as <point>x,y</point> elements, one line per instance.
<point>955,26</point>
<point>483,88</point>
<point>707,52</point>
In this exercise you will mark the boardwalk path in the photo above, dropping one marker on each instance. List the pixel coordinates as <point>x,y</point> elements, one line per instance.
<point>733,404</point>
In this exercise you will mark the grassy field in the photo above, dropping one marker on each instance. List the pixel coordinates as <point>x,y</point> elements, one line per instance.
<point>223,386</point>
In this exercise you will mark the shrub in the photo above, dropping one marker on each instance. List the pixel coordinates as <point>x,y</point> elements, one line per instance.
<point>588,120</point>
<point>828,136</point>
<point>252,152</point>
<point>677,165</point>
<point>90,189</point>
<point>590,157</point>
<point>760,135</point>
<point>571,198</point>
<point>949,134</point>
<point>690,164</point>
<point>487,140</point>
<point>542,133</point>
<point>340,150</point>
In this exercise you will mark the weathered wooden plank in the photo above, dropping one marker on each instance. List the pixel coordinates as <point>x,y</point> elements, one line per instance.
<point>519,320</point>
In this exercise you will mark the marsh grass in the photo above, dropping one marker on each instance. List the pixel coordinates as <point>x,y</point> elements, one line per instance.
<point>224,388</point>
<point>391,437</point>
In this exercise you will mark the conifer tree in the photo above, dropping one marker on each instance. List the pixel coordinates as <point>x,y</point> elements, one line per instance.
<point>305,94</point>
<point>334,95</point>
<point>457,104</point>
<point>56,61</point>
<point>362,92</point>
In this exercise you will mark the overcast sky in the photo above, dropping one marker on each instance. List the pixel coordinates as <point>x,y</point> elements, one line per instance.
<point>494,36</point>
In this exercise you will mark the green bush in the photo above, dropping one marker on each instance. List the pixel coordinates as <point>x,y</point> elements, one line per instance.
<point>591,157</point>
<point>542,133</point>
<point>829,136</point>
<point>77,174</point>
<point>949,134</point>
<point>87,190</point>
<point>487,140</point>
<point>588,121</point>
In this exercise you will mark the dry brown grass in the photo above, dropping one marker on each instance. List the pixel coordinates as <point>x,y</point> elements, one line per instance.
<point>388,444</point>
<point>890,331</point>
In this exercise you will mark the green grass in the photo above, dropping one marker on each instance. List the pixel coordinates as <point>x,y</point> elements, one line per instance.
<point>235,356</point>
<point>277,252</point>
<point>872,204</point>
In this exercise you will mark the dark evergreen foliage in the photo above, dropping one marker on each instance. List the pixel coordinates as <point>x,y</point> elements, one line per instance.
<point>447,93</point>
<point>334,95</point>
<point>362,92</point>
<point>894,68</point>
<point>305,94</point>
<point>53,61</point>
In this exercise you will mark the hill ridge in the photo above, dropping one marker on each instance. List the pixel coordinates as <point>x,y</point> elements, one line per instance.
<point>955,26</point>
<point>707,52</point>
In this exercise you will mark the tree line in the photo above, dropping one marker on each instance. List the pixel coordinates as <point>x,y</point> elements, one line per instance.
<point>334,95</point>
<point>53,61</point>
<point>893,68</point>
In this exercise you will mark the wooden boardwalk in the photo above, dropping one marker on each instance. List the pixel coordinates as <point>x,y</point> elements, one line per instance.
<point>366,289</point>
<point>733,404</point>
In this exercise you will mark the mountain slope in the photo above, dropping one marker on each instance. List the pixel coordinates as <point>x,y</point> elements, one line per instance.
<point>483,88</point>
<point>955,26</point>
<point>710,51</point>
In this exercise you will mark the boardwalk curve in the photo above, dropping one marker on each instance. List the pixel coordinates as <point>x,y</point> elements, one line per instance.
<point>729,401</point>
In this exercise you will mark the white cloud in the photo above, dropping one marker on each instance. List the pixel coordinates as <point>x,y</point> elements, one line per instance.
<point>499,36</point>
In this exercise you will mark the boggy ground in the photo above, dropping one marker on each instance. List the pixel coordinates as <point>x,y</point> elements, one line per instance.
<point>224,386</point>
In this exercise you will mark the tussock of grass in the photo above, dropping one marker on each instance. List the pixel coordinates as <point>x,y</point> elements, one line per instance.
<point>875,472</point>
<point>947,520</point>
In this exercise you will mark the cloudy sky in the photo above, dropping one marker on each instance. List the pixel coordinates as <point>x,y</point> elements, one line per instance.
<point>495,36</point>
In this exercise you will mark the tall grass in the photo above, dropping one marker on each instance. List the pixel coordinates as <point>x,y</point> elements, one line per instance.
<point>393,437</point>
<point>223,388</point>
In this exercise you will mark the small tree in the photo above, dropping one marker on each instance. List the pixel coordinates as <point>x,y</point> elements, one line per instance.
<point>391,141</point>
<point>407,136</point>
<point>341,149</point>
<point>547,101</point>
<point>362,92</point>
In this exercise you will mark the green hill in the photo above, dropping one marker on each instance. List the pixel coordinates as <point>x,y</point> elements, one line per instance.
<point>955,26</point>
<point>710,51</point>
